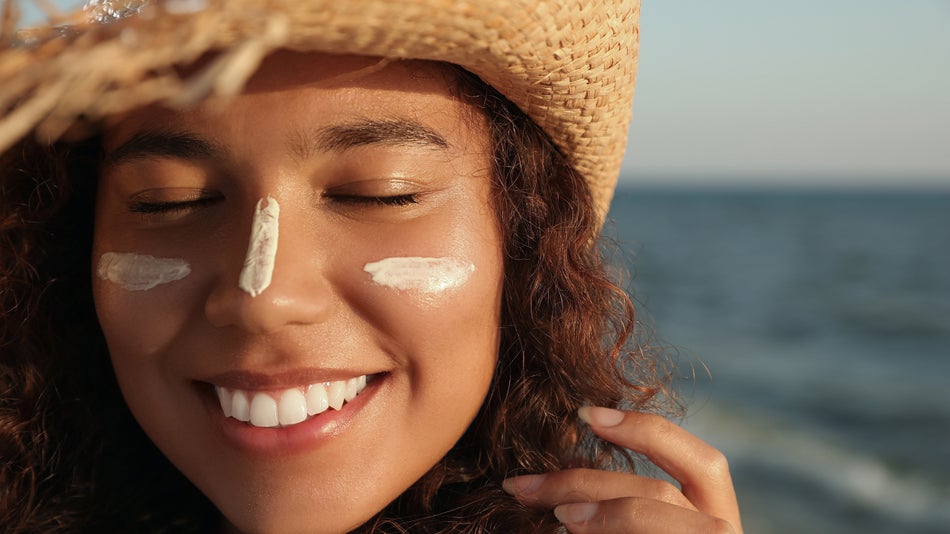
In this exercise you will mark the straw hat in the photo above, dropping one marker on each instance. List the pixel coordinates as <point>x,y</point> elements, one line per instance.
<point>568,64</point>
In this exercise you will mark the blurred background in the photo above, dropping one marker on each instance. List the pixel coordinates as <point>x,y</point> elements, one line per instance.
<point>784,212</point>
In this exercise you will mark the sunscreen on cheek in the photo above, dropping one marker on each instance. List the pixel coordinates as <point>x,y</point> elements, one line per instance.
<point>427,275</point>
<point>138,272</point>
<point>258,268</point>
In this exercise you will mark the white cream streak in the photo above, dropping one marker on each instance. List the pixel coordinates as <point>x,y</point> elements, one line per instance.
<point>262,249</point>
<point>138,272</point>
<point>428,275</point>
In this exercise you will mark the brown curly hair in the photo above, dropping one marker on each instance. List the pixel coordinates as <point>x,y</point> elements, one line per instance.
<point>73,458</point>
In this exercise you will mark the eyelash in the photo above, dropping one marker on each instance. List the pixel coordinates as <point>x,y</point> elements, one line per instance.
<point>178,206</point>
<point>395,200</point>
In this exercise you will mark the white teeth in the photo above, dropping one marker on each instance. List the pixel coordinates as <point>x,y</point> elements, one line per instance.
<point>264,410</point>
<point>287,407</point>
<point>292,407</point>
<point>335,394</point>
<point>349,393</point>
<point>226,400</point>
<point>240,407</point>
<point>317,401</point>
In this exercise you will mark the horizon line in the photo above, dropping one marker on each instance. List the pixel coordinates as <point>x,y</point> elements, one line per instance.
<point>784,180</point>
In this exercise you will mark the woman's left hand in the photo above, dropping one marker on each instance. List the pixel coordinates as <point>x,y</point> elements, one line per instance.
<point>594,501</point>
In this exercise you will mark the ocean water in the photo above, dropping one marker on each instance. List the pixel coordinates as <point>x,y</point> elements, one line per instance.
<point>823,319</point>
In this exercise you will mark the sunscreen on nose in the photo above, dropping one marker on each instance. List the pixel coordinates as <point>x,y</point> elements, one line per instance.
<point>428,275</point>
<point>258,268</point>
<point>138,272</point>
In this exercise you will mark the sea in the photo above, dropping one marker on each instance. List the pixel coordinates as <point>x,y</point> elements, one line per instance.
<point>811,335</point>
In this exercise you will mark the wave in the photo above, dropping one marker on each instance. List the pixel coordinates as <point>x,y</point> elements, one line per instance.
<point>865,483</point>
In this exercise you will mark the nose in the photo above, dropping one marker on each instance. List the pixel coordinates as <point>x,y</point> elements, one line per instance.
<point>297,292</point>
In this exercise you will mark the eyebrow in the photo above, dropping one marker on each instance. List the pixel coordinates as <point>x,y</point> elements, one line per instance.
<point>148,144</point>
<point>155,144</point>
<point>343,137</point>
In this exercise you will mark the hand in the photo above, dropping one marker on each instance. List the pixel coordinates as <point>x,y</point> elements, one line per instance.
<point>593,501</point>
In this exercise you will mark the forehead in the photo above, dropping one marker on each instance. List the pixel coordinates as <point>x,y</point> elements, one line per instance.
<point>286,68</point>
<point>303,90</point>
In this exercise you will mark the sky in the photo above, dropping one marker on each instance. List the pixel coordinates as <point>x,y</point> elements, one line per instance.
<point>839,92</point>
<point>811,92</point>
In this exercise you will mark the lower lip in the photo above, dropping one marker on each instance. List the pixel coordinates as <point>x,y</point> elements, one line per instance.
<point>298,438</point>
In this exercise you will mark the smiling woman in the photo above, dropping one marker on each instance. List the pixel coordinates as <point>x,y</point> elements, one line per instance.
<point>360,293</point>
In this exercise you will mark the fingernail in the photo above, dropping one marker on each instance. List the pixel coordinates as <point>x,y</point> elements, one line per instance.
<point>523,485</point>
<point>576,512</point>
<point>598,416</point>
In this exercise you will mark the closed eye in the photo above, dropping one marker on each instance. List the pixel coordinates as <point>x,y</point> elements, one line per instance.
<point>171,207</point>
<point>394,200</point>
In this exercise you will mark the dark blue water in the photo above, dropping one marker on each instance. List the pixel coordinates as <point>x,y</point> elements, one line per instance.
<point>824,321</point>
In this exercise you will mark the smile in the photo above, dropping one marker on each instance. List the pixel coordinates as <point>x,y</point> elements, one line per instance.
<point>287,407</point>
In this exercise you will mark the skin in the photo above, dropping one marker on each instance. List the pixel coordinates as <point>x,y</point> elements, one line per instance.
<point>435,352</point>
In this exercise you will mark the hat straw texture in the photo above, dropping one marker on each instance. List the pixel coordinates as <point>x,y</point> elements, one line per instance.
<point>570,65</point>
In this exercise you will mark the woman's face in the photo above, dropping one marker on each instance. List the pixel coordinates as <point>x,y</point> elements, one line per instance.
<point>261,260</point>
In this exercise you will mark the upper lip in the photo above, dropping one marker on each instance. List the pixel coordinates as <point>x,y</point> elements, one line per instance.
<point>255,380</point>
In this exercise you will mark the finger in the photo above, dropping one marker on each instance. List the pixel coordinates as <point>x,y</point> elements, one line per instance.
<point>634,515</point>
<point>588,485</point>
<point>701,470</point>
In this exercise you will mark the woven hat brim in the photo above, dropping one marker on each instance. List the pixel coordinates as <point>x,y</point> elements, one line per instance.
<point>570,65</point>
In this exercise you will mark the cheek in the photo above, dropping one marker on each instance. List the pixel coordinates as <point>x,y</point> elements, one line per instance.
<point>443,312</point>
<point>142,301</point>
<point>435,291</point>
<point>445,336</point>
<point>428,296</point>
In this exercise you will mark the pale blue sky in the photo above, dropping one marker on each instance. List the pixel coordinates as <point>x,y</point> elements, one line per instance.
<point>841,92</point>
<point>817,91</point>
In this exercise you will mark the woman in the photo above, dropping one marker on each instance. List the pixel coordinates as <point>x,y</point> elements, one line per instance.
<point>360,293</point>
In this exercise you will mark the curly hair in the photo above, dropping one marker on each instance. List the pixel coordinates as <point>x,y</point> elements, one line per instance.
<point>73,458</point>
